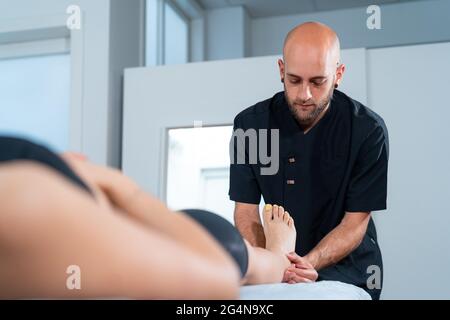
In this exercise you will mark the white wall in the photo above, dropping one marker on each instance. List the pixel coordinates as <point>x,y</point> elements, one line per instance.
<point>408,87</point>
<point>110,31</point>
<point>226,33</point>
<point>197,40</point>
<point>404,23</point>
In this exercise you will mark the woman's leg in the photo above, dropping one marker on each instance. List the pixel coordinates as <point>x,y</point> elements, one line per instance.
<point>48,224</point>
<point>257,265</point>
<point>264,265</point>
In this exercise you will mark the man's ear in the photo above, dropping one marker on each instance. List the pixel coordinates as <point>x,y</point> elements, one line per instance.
<point>281,68</point>
<point>339,75</point>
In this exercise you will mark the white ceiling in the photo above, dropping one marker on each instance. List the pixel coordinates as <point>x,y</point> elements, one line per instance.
<point>267,8</point>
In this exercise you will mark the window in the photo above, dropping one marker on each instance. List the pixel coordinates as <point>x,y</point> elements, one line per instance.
<point>198,169</point>
<point>35,99</point>
<point>167,33</point>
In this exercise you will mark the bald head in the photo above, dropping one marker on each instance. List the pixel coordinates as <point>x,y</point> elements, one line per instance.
<point>312,38</point>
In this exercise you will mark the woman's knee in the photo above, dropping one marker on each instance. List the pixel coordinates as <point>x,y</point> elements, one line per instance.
<point>225,233</point>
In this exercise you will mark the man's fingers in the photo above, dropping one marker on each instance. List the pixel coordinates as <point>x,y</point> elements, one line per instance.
<point>299,261</point>
<point>298,279</point>
<point>309,273</point>
<point>294,258</point>
<point>306,273</point>
<point>294,278</point>
<point>300,270</point>
<point>285,276</point>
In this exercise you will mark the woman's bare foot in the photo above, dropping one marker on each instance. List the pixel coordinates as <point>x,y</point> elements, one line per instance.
<point>279,230</point>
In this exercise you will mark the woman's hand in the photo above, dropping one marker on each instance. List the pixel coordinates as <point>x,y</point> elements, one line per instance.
<point>79,164</point>
<point>109,185</point>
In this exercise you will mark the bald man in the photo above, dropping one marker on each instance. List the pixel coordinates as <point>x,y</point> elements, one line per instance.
<point>333,160</point>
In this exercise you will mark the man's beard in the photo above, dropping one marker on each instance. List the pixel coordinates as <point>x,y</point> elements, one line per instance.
<point>311,116</point>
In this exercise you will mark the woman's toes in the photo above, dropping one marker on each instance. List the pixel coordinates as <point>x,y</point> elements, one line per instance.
<point>268,214</point>
<point>275,211</point>
<point>280,212</point>
<point>286,217</point>
<point>291,222</point>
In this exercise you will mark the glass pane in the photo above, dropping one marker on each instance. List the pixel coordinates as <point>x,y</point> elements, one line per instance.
<point>175,38</point>
<point>198,170</point>
<point>35,99</point>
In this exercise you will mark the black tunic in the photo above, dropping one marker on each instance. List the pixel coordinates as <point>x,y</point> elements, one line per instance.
<point>339,165</point>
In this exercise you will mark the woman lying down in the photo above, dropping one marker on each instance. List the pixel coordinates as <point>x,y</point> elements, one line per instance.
<point>57,212</point>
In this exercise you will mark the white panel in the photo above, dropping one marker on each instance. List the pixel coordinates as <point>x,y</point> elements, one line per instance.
<point>158,98</point>
<point>408,86</point>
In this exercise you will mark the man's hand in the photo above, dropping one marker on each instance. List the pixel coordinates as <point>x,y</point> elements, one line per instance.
<point>300,270</point>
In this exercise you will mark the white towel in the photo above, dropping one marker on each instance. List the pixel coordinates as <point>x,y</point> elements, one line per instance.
<point>321,290</point>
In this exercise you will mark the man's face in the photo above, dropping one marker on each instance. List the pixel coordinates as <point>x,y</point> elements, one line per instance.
<point>309,80</point>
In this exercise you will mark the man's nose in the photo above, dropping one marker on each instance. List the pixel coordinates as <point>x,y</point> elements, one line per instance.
<point>304,93</point>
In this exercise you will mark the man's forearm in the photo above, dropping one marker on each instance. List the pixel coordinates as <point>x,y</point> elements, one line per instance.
<point>335,246</point>
<point>253,232</point>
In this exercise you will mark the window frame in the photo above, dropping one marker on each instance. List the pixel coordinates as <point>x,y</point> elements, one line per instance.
<point>189,11</point>
<point>185,19</point>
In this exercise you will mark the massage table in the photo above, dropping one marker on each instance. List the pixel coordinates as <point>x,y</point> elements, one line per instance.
<point>321,290</point>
